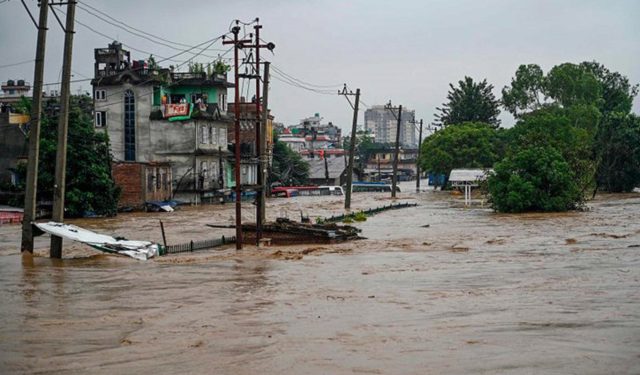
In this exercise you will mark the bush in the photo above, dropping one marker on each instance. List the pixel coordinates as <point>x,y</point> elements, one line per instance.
<point>534,179</point>
<point>360,216</point>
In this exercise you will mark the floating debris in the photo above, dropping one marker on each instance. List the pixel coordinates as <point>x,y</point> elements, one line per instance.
<point>141,250</point>
<point>285,232</point>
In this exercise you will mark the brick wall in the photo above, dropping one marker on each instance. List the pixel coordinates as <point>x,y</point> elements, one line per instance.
<point>129,177</point>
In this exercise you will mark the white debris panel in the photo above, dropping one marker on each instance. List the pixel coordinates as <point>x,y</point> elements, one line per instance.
<point>141,250</point>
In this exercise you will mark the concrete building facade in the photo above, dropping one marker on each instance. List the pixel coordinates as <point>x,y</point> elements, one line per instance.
<point>154,115</point>
<point>381,121</point>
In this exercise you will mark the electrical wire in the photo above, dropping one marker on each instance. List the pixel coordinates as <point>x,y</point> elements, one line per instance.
<point>295,84</point>
<point>292,78</point>
<point>17,63</point>
<point>136,29</point>
<point>140,35</point>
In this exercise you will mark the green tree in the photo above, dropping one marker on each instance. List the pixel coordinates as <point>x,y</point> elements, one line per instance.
<point>366,147</point>
<point>535,178</point>
<point>618,153</point>
<point>469,102</point>
<point>566,85</point>
<point>558,128</point>
<point>527,91</point>
<point>288,167</point>
<point>467,145</point>
<point>617,92</point>
<point>573,100</point>
<point>89,185</point>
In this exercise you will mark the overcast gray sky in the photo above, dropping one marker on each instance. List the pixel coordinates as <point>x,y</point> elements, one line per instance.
<point>404,50</point>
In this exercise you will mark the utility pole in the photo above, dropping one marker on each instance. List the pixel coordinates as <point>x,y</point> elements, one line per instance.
<point>263,158</point>
<point>418,157</point>
<point>260,176</point>
<point>352,144</point>
<point>34,132</point>
<point>238,190</point>
<point>394,178</point>
<point>63,128</point>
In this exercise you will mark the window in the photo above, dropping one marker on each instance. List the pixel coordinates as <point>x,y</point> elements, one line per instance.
<point>223,138</point>
<point>101,119</point>
<point>210,129</point>
<point>100,95</point>
<point>214,135</point>
<point>205,134</point>
<point>129,126</point>
<point>158,179</point>
<point>222,101</point>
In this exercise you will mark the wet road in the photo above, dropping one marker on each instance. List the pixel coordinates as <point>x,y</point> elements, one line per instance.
<point>474,292</point>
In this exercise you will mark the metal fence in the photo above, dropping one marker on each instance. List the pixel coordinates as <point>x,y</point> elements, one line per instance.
<point>197,245</point>
<point>369,212</point>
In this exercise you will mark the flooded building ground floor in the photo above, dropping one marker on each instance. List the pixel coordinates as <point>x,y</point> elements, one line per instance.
<point>435,288</point>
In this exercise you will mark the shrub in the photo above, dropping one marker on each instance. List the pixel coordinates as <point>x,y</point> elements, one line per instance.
<point>534,179</point>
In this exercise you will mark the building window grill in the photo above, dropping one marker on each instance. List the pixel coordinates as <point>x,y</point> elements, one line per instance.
<point>129,126</point>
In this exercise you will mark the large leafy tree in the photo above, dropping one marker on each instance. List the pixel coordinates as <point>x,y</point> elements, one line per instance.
<point>566,85</point>
<point>535,178</point>
<point>288,167</point>
<point>89,184</point>
<point>586,99</point>
<point>618,153</point>
<point>467,145</point>
<point>558,128</point>
<point>469,102</point>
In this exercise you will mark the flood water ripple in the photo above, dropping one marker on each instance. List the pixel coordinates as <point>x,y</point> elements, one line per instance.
<point>472,292</point>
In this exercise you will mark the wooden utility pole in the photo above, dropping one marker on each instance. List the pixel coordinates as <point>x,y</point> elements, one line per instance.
<point>63,128</point>
<point>396,153</point>
<point>34,133</point>
<point>263,158</point>
<point>352,145</point>
<point>418,158</point>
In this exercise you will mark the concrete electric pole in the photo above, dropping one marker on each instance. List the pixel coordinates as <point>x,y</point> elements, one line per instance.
<point>352,144</point>
<point>396,153</point>
<point>34,132</point>
<point>63,128</point>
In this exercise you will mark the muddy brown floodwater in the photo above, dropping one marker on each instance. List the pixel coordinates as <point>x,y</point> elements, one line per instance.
<point>472,292</point>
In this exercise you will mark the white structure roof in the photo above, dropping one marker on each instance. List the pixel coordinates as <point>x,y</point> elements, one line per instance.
<point>460,177</point>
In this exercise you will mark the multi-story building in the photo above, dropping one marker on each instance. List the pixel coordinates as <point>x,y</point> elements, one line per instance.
<point>156,115</point>
<point>383,123</point>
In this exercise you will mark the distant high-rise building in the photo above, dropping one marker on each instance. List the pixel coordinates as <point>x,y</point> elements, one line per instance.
<point>382,122</point>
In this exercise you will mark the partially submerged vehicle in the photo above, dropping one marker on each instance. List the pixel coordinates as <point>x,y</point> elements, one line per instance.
<point>293,191</point>
<point>367,187</point>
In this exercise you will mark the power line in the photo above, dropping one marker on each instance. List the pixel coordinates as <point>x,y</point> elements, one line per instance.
<point>303,82</point>
<point>139,34</point>
<point>17,63</point>
<point>111,38</point>
<point>136,29</point>
<point>295,84</point>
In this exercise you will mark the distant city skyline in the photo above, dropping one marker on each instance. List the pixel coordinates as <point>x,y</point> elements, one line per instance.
<point>408,54</point>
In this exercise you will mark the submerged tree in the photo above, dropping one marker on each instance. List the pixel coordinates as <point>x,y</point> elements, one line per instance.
<point>89,184</point>
<point>469,102</point>
<point>467,145</point>
<point>534,179</point>
<point>288,167</point>
<point>618,152</point>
